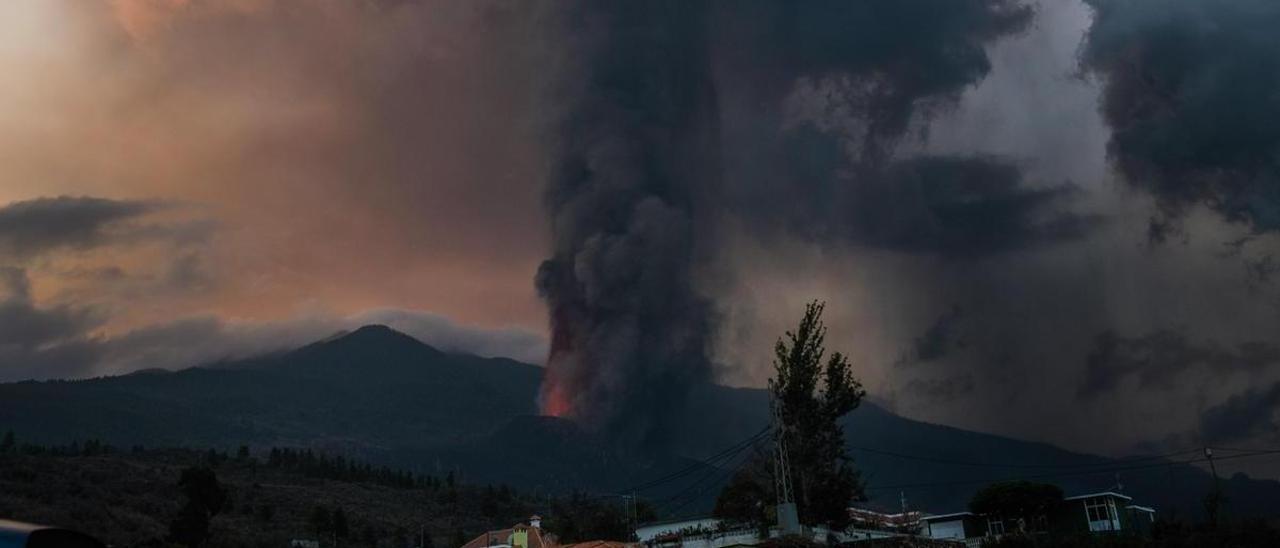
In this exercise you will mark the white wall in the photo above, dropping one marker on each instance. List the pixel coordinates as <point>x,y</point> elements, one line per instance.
<point>649,532</point>
<point>947,529</point>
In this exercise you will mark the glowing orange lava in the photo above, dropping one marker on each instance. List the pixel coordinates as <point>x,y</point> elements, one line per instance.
<point>555,402</point>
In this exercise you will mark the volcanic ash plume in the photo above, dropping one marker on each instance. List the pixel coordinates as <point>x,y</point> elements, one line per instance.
<point>636,184</point>
<point>635,160</point>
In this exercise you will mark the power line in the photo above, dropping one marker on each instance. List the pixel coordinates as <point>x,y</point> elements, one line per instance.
<point>1069,474</point>
<point>724,475</point>
<point>709,462</point>
<point>1018,465</point>
<point>712,472</point>
<point>1238,450</point>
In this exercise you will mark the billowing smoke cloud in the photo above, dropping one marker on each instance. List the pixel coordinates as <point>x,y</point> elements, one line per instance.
<point>1157,359</point>
<point>938,340</point>
<point>639,184</point>
<point>816,118</point>
<point>1190,95</point>
<point>959,207</point>
<point>628,201</point>
<point>1251,416</point>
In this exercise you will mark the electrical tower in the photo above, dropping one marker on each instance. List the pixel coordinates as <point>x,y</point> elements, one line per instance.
<point>788,516</point>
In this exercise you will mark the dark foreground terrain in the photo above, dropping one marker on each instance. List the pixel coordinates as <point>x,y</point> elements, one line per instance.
<point>130,498</point>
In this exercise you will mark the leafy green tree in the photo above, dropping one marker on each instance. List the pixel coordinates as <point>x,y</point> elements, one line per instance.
<point>813,395</point>
<point>8,443</point>
<point>1023,501</point>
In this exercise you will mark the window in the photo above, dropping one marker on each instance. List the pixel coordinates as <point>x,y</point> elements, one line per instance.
<point>1101,513</point>
<point>995,526</point>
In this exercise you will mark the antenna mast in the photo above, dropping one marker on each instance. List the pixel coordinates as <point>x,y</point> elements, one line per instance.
<point>788,516</point>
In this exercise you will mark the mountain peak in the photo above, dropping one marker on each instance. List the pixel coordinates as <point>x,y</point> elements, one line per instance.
<point>371,338</point>
<point>373,333</point>
<point>375,329</point>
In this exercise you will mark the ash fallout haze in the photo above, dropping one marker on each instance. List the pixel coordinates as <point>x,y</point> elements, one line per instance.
<point>1055,221</point>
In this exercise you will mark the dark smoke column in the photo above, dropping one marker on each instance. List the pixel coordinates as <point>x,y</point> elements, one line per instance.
<point>636,158</point>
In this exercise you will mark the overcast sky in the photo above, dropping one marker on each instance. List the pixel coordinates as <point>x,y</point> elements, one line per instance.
<point>183,181</point>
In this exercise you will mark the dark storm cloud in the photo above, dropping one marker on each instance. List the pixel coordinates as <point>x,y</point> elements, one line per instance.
<point>962,207</point>
<point>1158,358</point>
<point>815,117</point>
<point>941,390</point>
<point>877,60</point>
<point>34,226</point>
<point>940,338</point>
<point>58,342</point>
<point>1250,415</point>
<point>36,341</point>
<point>636,187</point>
<point>24,325</point>
<point>1189,90</point>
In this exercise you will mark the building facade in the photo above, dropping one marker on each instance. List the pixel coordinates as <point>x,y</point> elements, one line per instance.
<point>1093,513</point>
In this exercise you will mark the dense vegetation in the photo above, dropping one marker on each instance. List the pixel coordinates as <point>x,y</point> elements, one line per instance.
<point>168,497</point>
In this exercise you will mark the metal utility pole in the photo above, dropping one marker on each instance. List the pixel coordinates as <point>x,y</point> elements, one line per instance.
<point>788,515</point>
<point>629,510</point>
<point>1213,504</point>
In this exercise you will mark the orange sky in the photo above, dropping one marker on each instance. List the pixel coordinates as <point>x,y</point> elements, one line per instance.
<point>312,160</point>
<point>350,159</point>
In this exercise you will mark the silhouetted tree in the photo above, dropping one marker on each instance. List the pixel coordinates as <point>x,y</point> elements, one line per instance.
<point>749,495</point>
<point>205,499</point>
<point>320,520</point>
<point>814,395</point>
<point>1023,501</point>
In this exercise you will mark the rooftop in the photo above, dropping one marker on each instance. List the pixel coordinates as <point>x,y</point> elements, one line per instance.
<point>1099,494</point>
<point>947,516</point>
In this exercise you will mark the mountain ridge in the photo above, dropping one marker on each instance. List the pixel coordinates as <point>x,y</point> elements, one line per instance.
<point>380,395</point>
